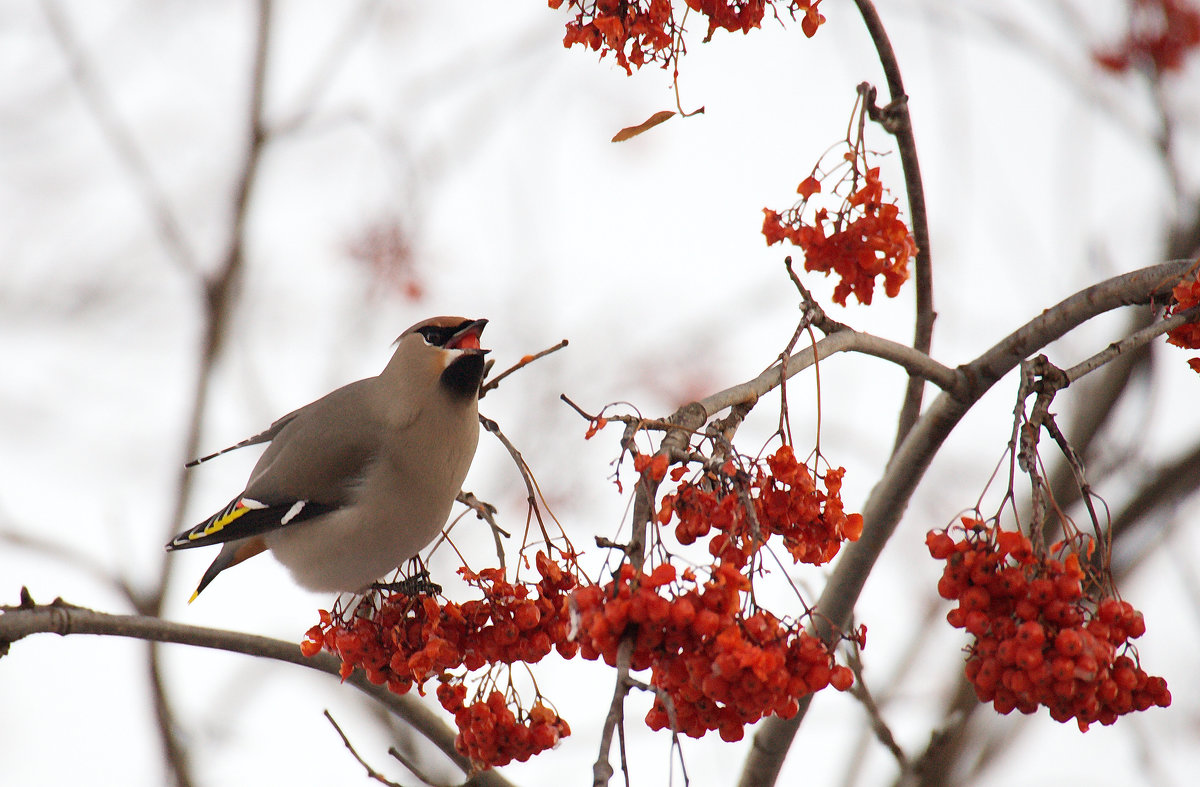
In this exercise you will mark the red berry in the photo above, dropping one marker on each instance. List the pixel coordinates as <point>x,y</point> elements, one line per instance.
<point>1068,642</point>
<point>941,546</point>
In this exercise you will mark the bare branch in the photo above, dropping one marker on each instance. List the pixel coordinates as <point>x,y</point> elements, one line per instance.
<point>602,769</point>
<point>1132,342</point>
<point>486,512</point>
<point>521,364</point>
<point>846,340</point>
<point>687,420</point>
<point>65,619</point>
<point>371,772</point>
<point>878,724</point>
<point>896,120</point>
<point>888,500</point>
<point>416,770</point>
<point>531,488</point>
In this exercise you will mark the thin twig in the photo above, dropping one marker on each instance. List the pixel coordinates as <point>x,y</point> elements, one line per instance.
<point>521,364</point>
<point>533,493</point>
<point>896,120</point>
<point>637,422</point>
<point>371,772</point>
<point>813,315</point>
<point>602,769</point>
<point>1132,342</point>
<point>879,725</point>
<point>486,512</point>
<point>417,770</point>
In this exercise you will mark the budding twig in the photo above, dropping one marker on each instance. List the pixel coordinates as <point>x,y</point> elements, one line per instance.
<point>521,364</point>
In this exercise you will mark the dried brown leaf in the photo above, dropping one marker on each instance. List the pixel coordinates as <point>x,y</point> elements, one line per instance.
<point>629,132</point>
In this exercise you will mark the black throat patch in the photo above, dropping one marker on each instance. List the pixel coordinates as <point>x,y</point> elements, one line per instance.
<point>462,377</point>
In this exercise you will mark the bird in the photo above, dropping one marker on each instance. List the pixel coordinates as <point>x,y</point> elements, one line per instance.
<point>357,482</point>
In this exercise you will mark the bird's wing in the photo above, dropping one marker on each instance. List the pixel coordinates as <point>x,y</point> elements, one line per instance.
<point>316,459</point>
<point>264,436</point>
<point>245,517</point>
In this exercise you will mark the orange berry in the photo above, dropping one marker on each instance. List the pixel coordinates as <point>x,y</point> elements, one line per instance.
<point>1031,634</point>
<point>1068,642</point>
<point>1029,658</point>
<point>706,623</point>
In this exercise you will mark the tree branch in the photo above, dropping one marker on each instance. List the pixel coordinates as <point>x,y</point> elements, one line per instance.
<point>65,619</point>
<point>687,419</point>
<point>887,501</point>
<point>896,120</point>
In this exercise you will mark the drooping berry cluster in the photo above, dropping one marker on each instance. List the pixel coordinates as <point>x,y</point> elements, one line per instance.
<point>719,668</point>
<point>1039,639</point>
<point>1162,34</point>
<point>864,239</point>
<point>491,732</point>
<point>1185,295</point>
<point>407,641</point>
<point>637,32</point>
<point>786,502</point>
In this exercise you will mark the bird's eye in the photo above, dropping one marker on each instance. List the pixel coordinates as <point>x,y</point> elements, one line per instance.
<point>435,335</point>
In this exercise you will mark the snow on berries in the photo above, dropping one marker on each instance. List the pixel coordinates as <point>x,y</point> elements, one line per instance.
<point>1043,635</point>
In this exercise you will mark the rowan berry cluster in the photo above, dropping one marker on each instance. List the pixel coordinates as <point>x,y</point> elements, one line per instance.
<point>864,239</point>
<point>637,32</point>
<point>715,667</point>
<point>492,733</point>
<point>1039,638</point>
<point>745,15</point>
<point>784,501</point>
<point>1162,33</point>
<point>1185,295</point>
<point>405,641</point>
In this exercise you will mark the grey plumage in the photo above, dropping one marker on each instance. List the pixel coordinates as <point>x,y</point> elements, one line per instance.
<point>357,482</point>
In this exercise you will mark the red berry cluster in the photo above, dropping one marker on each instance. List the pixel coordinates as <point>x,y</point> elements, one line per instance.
<point>1039,640</point>
<point>720,669</point>
<point>745,15</point>
<point>1162,33</point>
<point>864,239</point>
<point>645,31</point>
<point>1185,295</point>
<point>786,502</point>
<point>407,641</point>
<point>491,733</point>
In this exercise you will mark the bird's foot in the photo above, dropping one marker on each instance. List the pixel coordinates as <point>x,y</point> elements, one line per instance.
<point>417,585</point>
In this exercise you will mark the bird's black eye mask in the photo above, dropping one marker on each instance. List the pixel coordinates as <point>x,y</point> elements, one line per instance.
<point>438,335</point>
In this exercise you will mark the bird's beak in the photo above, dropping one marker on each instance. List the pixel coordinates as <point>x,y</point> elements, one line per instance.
<point>467,337</point>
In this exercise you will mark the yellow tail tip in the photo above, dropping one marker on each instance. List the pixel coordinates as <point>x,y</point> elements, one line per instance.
<point>195,593</point>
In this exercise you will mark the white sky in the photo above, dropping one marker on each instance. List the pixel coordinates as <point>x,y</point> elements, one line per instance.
<point>470,123</point>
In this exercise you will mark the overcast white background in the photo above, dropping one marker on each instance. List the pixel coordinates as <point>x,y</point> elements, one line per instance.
<point>471,126</point>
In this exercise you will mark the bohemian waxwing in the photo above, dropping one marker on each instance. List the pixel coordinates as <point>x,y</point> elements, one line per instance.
<point>357,482</point>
